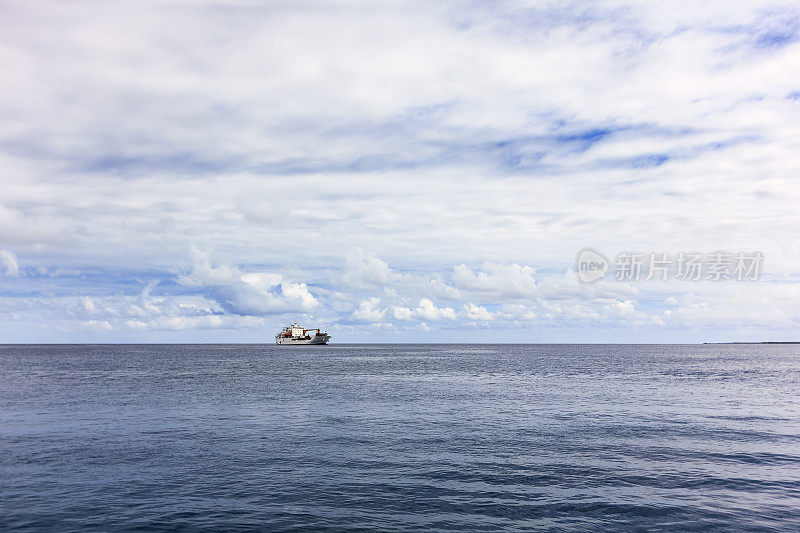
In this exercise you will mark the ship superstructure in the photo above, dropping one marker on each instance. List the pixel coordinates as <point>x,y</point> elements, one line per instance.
<point>296,334</point>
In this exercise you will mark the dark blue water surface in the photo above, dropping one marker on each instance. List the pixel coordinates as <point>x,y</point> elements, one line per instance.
<point>400,437</point>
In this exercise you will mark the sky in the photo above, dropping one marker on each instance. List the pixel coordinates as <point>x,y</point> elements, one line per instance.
<point>209,171</point>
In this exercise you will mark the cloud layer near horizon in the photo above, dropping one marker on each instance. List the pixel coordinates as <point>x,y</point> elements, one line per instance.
<point>406,167</point>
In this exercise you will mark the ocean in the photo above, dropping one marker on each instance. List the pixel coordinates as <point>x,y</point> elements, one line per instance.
<point>400,437</point>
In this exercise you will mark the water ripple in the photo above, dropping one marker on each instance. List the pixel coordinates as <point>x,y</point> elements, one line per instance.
<point>400,438</point>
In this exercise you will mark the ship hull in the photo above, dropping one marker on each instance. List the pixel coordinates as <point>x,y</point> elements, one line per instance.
<point>321,339</point>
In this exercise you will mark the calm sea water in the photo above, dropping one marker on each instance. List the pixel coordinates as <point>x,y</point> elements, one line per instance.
<point>400,437</point>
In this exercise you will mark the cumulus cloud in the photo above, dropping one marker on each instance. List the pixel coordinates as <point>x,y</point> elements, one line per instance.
<point>247,293</point>
<point>365,270</point>
<point>402,313</point>
<point>8,263</point>
<point>427,310</point>
<point>219,296</point>
<point>368,311</point>
<point>505,281</point>
<point>477,312</point>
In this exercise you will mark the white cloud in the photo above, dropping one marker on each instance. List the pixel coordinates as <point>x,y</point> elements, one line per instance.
<point>367,311</point>
<point>9,264</point>
<point>247,293</point>
<point>477,312</point>
<point>230,298</point>
<point>370,310</point>
<point>402,313</point>
<point>103,325</point>
<point>180,323</point>
<point>365,270</point>
<point>428,311</point>
<point>505,281</point>
<point>476,159</point>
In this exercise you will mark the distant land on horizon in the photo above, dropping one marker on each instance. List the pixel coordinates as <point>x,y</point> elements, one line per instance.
<point>755,342</point>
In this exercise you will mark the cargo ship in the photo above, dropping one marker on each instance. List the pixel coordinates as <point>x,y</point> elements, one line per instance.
<point>295,334</point>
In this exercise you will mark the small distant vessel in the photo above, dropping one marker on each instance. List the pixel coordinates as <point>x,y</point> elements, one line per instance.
<point>295,334</point>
